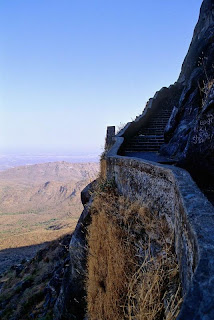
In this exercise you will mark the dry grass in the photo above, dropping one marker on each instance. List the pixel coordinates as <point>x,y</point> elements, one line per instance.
<point>154,291</point>
<point>206,89</point>
<point>103,168</point>
<point>107,289</point>
<point>208,83</point>
<point>132,269</point>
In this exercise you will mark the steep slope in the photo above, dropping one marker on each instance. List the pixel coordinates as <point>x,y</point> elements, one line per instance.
<point>189,135</point>
<point>29,290</point>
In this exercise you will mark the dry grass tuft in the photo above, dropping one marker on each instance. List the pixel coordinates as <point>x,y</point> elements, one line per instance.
<point>107,269</point>
<point>154,290</point>
<point>132,269</point>
<point>206,90</point>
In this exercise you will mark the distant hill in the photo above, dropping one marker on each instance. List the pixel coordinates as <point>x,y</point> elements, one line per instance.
<point>11,160</point>
<point>44,186</point>
<point>41,202</point>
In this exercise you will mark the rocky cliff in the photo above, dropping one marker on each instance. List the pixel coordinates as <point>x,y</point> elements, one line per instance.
<point>189,135</point>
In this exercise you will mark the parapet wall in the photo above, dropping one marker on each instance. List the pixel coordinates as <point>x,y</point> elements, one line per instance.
<point>172,192</point>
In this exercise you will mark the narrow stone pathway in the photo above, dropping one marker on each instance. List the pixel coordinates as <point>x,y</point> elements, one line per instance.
<point>151,156</point>
<point>147,142</point>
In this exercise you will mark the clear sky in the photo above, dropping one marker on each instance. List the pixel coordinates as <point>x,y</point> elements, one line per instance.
<point>69,68</point>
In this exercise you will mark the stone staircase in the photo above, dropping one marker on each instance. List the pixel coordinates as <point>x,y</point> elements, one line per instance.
<point>151,136</point>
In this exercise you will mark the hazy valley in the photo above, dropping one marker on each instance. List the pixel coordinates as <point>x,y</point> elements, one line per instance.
<point>39,203</point>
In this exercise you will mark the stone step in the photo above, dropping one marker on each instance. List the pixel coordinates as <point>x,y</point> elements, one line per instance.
<point>141,145</point>
<point>155,122</point>
<point>162,116</point>
<point>136,142</point>
<point>159,116</point>
<point>132,143</point>
<point>144,149</point>
<point>163,112</point>
<point>145,138</point>
<point>152,132</point>
<point>158,122</point>
<point>144,144</point>
<point>142,137</point>
<point>147,130</point>
<point>155,132</point>
<point>154,127</point>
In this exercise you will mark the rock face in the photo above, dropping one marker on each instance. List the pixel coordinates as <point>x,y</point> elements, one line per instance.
<point>189,135</point>
<point>71,303</point>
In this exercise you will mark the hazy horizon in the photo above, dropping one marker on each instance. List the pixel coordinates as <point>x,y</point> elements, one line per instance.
<point>12,160</point>
<point>56,152</point>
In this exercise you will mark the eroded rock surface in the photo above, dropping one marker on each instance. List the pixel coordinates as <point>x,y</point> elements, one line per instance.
<point>71,303</point>
<point>189,135</point>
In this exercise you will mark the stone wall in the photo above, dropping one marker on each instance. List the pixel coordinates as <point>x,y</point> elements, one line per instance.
<point>172,192</point>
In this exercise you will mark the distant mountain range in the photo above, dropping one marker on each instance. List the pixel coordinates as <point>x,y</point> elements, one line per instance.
<point>11,160</point>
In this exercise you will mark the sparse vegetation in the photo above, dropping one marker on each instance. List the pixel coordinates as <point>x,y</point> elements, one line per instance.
<point>30,289</point>
<point>208,83</point>
<point>205,90</point>
<point>120,127</point>
<point>132,268</point>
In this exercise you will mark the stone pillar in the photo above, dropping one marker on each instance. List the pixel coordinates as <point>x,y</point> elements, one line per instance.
<point>110,134</point>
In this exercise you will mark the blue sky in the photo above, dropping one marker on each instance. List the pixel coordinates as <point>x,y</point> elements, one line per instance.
<point>69,68</point>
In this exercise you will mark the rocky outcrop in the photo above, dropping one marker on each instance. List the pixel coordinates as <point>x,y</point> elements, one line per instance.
<point>29,290</point>
<point>71,303</point>
<point>189,135</point>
